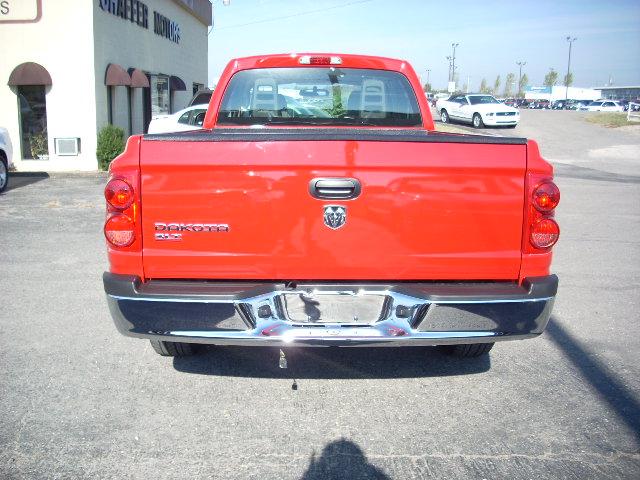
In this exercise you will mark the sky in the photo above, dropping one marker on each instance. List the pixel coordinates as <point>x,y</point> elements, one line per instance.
<point>492,36</point>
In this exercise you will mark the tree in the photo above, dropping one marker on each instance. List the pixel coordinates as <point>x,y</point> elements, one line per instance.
<point>551,78</point>
<point>110,144</point>
<point>483,86</point>
<point>510,80</point>
<point>523,83</point>
<point>427,87</point>
<point>568,80</point>
<point>496,85</point>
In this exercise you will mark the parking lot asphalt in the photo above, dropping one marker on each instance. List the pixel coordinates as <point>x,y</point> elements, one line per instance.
<point>78,400</point>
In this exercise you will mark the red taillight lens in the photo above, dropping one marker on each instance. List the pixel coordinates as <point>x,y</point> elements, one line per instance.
<point>119,230</point>
<point>308,60</point>
<point>546,197</point>
<point>544,233</point>
<point>119,194</point>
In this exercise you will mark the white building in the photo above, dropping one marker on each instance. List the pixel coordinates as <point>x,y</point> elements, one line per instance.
<point>560,93</point>
<point>70,67</point>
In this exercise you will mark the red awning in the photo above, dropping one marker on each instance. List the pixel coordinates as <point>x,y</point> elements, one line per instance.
<point>176,83</point>
<point>29,73</point>
<point>116,75</point>
<point>138,78</point>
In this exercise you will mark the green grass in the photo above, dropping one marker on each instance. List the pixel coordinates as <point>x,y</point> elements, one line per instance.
<point>447,127</point>
<point>610,119</point>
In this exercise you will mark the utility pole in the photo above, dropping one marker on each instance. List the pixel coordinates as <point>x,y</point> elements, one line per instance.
<point>566,93</point>
<point>453,61</point>
<point>520,64</point>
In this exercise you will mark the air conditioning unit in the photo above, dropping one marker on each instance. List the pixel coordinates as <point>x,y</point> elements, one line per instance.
<point>67,146</point>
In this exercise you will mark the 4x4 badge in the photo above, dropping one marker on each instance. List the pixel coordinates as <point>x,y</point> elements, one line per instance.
<point>335,216</point>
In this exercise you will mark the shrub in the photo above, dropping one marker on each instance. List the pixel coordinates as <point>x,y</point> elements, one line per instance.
<point>110,144</point>
<point>38,142</point>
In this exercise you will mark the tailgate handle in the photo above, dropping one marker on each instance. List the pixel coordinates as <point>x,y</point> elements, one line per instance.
<point>334,188</point>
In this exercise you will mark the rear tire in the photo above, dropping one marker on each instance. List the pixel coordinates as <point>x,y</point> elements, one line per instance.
<point>444,116</point>
<point>4,173</point>
<point>172,349</point>
<point>477,121</point>
<point>471,350</point>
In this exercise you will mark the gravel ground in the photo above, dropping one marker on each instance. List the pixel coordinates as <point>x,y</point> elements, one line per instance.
<point>77,400</point>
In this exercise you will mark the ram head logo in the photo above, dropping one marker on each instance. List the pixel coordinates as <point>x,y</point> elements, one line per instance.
<point>335,216</point>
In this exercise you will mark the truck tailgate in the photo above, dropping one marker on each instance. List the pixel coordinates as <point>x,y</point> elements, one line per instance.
<point>437,209</point>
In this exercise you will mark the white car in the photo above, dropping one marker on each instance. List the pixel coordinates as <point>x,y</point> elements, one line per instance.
<point>603,106</point>
<point>191,118</point>
<point>477,109</point>
<point>6,153</point>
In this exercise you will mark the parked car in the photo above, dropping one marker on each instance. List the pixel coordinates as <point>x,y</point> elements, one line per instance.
<point>512,102</point>
<point>577,104</point>
<point>201,97</point>
<point>190,118</point>
<point>559,104</point>
<point>603,106</point>
<point>624,104</point>
<point>439,96</point>
<point>478,109</point>
<point>325,233</point>
<point>540,105</point>
<point>6,154</point>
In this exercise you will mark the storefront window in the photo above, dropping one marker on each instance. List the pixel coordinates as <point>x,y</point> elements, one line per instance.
<point>160,99</point>
<point>33,121</point>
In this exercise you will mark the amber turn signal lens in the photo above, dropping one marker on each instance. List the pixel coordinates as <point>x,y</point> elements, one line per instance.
<point>544,233</point>
<point>546,197</point>
<point>119,230</point>
<point>119,194</point>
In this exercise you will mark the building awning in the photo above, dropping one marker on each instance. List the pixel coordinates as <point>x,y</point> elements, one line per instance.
<point>116,75</point>
<point>29,73</point>
<point>138,78</point>
<point>176,83</point>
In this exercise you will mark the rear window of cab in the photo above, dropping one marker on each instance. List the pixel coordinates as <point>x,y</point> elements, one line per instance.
<point>319,96</point>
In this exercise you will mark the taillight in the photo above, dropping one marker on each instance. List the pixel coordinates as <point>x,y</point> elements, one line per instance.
<point>544,233</point>
<point>119,230</point>
<point>541,230</point>
<point>309,60</point>
<point>546,197</point>
<point>119,194</point>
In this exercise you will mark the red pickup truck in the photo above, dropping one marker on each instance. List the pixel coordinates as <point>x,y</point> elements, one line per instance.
<point>318,206</point>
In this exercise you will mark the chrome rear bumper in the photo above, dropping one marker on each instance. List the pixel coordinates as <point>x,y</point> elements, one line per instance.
<point>373,314</point>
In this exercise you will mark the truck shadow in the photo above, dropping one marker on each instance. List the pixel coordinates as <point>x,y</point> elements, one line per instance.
<point>329,363</point>
<point>605,382</point>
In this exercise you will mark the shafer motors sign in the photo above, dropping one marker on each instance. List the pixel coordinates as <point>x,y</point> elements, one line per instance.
<point>20,11</point>
<point>137,12</point>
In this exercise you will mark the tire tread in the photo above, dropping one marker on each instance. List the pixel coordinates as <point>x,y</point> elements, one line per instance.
<point>172,349</point>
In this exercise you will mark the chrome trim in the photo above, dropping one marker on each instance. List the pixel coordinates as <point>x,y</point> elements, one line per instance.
<point>462,320</point>
<point>210,300</point>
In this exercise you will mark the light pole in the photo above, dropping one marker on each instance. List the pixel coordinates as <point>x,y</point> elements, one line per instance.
<point>428,72</point>
<point>566,92</point>
<point>453,61</point>
<point>449,78</point>
<point>520,64</point>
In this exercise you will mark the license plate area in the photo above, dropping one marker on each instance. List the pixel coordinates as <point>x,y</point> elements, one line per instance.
<point>338,308</point>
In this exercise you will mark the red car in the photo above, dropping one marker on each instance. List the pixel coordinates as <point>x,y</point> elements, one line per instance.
<point>345,221</point>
